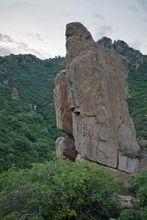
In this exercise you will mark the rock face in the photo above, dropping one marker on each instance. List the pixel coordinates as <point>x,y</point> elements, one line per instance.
<point>135,57</point>
<point>63,113</point>
<point>126,202</point>
<point>90,101</point>
<point>65,147</point>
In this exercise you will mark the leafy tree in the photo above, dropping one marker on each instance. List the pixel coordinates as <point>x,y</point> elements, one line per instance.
<point>28,130</point>
<point>59,190</point>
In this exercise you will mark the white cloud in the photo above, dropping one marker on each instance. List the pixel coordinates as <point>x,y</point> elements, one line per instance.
<point>132,8</point>
<point>35,36</point>
<point>5,38</point>
<point>99,16</point>
<point>143,4</point>
<point>104,30</point>
<point>8,46</point>
<point>45,20</point>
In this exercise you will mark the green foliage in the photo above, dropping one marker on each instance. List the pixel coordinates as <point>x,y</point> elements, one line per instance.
<point>137,81</point>
<point>59,190</point>
<point>128,214</point>
<point>143,214</point>
<point>139,184</point>
<point>28,130</point>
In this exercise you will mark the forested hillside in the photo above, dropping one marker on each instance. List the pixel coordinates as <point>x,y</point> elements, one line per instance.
<point>137,80</point>
<point>28,128</point>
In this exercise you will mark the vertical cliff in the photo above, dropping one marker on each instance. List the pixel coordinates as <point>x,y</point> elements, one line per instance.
<point>90,101</point>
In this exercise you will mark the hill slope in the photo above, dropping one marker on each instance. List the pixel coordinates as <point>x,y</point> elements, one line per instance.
<point>27,118</point>
<point>28,130</point>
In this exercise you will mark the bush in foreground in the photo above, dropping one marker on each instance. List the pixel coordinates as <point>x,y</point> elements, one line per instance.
<point>139,185</point>
<point>58,190</point>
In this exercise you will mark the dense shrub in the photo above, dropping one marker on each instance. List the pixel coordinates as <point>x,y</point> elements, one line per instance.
<point>139,184</point>
<point>59,190</point>
<point>137,82</point>
<point>27,125</point>
<point>128,214</point>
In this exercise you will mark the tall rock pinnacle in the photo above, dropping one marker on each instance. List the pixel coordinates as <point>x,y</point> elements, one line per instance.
<point>90,101</point>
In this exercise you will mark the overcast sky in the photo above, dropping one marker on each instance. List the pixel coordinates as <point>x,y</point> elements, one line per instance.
<point>38,26</point>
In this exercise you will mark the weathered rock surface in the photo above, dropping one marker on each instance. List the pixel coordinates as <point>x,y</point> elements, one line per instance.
<point>65,147</point>
<point>143,164</point>
<point>63,113</point>
<point>93,96</point>
<point>128,164</point>
<point>135,57</point>
<point>121,177</point>
<point>126,202</point>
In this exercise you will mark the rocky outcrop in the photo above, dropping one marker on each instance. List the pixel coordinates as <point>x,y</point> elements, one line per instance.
<point>65,147</point>
<point>63,113</point>
<point>126,202</point>
<point>143,154</point>
<point>90,101</point>
<point>143,163</point>
<point>106,42</point>
<point>135,57</point>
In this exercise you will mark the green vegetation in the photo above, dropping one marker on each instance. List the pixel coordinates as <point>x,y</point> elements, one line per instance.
<point>129,214</point>
<point>55,189</point>
<point>139,185</point>
<point>28,129</point>
<point>137,81</point>
<point>58,190</point>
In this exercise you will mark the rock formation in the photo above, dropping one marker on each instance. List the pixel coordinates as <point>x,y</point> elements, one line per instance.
<point>65,147</point>
<point>63,113</point>
<point>135,57</point>
<point>90,102</point>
